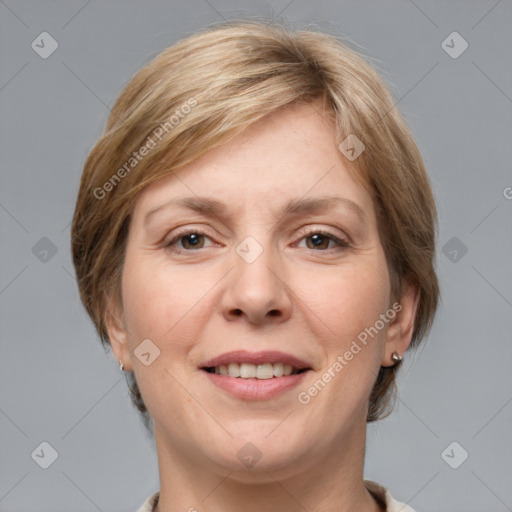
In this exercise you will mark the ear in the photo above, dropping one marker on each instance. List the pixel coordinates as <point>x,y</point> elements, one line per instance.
<point>400,329</point>
<point>117,333</point>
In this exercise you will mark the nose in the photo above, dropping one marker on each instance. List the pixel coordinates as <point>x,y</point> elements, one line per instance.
<point>257,291</point>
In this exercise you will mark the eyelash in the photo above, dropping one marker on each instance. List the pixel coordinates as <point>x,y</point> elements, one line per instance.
<point>343,244</point>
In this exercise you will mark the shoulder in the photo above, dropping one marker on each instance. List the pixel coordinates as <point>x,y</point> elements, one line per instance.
<point>384,498</point>
<point>150,504</point>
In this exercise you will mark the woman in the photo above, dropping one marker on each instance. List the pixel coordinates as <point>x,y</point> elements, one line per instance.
<point>254,237</point>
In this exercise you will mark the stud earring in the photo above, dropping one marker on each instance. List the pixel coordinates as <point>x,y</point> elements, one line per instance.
<point>397,358</point>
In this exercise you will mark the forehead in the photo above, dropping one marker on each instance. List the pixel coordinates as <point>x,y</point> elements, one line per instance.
<point>289,155</point>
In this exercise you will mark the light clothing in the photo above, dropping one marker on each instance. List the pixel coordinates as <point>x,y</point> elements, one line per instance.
<point>381,494</point>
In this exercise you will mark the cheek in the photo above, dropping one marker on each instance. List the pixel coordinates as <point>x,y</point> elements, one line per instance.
<point>164,303</point>
<point>167,306</point>
<point>348,299</point>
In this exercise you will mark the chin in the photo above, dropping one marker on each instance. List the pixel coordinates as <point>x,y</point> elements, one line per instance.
<point>252,457</point>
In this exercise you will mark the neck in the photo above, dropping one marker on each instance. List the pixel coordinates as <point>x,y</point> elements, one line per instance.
<point>325,481</point>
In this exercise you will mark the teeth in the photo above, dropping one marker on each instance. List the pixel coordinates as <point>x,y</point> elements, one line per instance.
<point>278,369</point>
<point>234,370</point>
<point>255,371</point>
<point>265,371</point>
<point>247,371</point>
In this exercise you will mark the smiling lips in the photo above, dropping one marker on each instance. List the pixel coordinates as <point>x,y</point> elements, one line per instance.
<point>260,365</point>
<point>254,371</point>
<point>255,375</point>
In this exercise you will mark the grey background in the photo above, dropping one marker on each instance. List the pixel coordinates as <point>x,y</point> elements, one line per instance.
<point>57,384</point>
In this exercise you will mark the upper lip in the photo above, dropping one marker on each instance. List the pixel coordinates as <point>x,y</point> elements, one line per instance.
<point>244,356</point>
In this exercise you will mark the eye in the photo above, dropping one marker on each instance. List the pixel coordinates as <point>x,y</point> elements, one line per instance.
<point>190,240</point>
<point>193,240</point>
<point>320,240</point>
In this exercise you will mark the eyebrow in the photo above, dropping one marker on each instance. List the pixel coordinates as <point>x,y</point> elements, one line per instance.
<point>295,207</point>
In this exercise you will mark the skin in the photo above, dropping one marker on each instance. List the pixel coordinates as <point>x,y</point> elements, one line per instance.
<point>310,300</point>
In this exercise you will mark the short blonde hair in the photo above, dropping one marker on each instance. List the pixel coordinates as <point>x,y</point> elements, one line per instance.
<point>206,89</point>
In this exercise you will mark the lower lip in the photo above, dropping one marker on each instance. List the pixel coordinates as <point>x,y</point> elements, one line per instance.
<point>256,389</point>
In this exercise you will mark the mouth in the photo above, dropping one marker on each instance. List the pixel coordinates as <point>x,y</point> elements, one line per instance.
<point>256,375</point>
<point>263,371</point>
<point>242,364</point>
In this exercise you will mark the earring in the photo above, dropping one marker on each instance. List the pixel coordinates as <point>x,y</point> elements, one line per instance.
<point>397,358</point>
<point>121,366</point>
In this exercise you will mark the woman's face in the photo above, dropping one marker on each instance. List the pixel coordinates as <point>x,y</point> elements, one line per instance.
<point>257,281</point>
